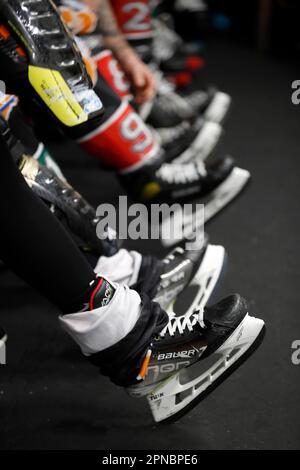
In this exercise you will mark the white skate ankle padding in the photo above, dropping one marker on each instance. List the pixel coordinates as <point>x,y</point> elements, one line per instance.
<point>123,267</point>
<point>104,327</point>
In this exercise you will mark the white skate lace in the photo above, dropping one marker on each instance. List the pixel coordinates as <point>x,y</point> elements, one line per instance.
<point>171,256</point>
<point>177,174</point>
<point>183,323</point>
<point>169,134</point>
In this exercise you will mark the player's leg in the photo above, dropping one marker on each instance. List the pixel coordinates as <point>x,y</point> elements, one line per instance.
<point>37,248</point>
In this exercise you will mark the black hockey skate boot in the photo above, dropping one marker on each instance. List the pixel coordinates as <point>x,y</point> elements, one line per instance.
<point>173,182</point>
<point>193,353</point>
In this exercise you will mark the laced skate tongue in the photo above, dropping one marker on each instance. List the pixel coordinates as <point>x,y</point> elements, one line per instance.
<point>184,323</point>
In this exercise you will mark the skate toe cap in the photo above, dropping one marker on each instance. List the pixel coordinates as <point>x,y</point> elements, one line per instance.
<point>225,165</point>
<point>229,312</point>
<point>219,170</point>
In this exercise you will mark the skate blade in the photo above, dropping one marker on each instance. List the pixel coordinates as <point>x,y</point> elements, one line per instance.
<point>226,192</point>
<point>213,204</point>
<point>176,222</point>
<point>179,393</point>
<point>204,283</point>
<point>205,143</point>
<point>218,108</point>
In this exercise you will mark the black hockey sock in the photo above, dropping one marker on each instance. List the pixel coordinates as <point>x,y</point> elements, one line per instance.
<point>122,362</point>
<point>149,276</point>
<point>22,130</point>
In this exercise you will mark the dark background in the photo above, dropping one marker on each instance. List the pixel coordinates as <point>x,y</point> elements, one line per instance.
<point>51,399</point>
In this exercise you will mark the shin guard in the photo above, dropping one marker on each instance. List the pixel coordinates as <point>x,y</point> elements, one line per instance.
<point>39,50</point>
<point>112,72</point>
<point>134,18</point>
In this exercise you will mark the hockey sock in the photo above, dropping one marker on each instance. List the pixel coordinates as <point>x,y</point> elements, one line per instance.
<point>111,70</point>
<point>141,273</point>
<point>122,140</point>
<point>128,267</point>
<point>134,18</point>
<point>111,313</point>
<point>21,129</point>
<point>117,331</point>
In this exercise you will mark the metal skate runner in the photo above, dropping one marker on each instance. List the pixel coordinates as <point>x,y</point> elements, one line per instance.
<point>176,292</point>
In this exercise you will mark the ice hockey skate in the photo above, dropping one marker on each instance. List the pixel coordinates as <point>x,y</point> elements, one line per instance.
<point>213,202</point>
<point>175,182</point>
<point>215,185</point>
<point>174,361</point>
<point>197,272</point>
<point>193,354</point>
<point>212,104</point>
<point>168,108</point>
